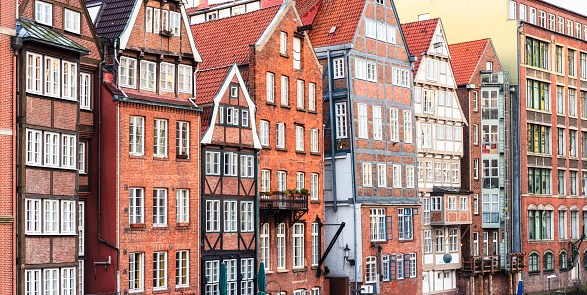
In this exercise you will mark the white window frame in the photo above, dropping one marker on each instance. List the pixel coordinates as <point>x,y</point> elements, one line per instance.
<point>338,68</point>
<point>314,140</point>
<point>136,207</point>
<point>283,43</point>
<point>71,21</point>
<point>312,97</point>
<point>68,280</point>
<point>297,53</point>
<point>68,211</point>
<point>300,93</point>
<point>212,276</point>
<point>265,181</point>
<point>247,166</point>
<point>362,121</point>
<point>377,123</point>
<point>367,174</point>
<point>166,76</point>
<point>160,207</point>
<point>408,127</point>
<point>371,270</point>
<point>315,244</point>
<point>230,212</point>
<point>127,72</point>
<point>378,226</point>
<point>280,135</point>
<point>341,120</point>
<point>212,216</point>
<point>281,181</point>
<point>175,23</point>
<point>280,241</point>
<point>298,237</point>
<point>136,272</point>
<point>33,216</point>
<point>394,125</point>
<point>52,143</point>
<point>212,163</point>
<point>270,86</point>
<point>69,80</point>
<point>397,176</point>
<point>68,151</point>
<point>148,75</point>
<point>182,138</point>
<point>159,270</point>
<point>247,217</point>
<point>264,132</point>
<point>299,138</point>
<point>265,246</point>
<point>182,205</point>
<point>182,269</point>
<point>85,99</point>
<point>149,19</point>
<point>381,175</point>
<point>370,29</point>
<point>300,180</point>
<point>44,13</point>
<point>34,81</point>
<point>284,90</point>
<point>230,164</point>
<point>314,186</point>
<point>160,138</point>
<point>410,177</point>
<point>52,72</point>
<point>34,147</point>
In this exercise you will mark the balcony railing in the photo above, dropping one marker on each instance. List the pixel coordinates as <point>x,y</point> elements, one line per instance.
<point>517,261</point>
<point>282,201</point>
<point>481,264</point>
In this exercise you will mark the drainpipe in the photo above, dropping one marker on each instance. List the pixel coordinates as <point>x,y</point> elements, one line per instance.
<point>332,133</point>
<point>101,81</point>
<point>14,172</point>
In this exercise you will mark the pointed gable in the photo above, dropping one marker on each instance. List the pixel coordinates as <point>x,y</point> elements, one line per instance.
<point>419,38</point>
<point>226,41</point>
<point>465,58</point>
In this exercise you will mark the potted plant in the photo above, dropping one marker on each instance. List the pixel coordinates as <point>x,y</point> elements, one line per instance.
<point>165,33</point>
<point>305,191</point>
<point>268,193</point>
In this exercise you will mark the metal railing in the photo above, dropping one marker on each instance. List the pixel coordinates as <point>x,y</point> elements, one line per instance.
<point>282,201</point>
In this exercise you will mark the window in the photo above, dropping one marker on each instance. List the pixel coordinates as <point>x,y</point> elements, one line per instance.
<point>417,94</point>
<point>490,174</point>
<point>212,215</point>
<point>523,14</point>
<point>68,210</point>
<point>495,245</point>
<point>265,182</point>
<point>405,223</point>
<point>247,218</point>
<point>149,19</point>
<point>270,81</point>
<point>44,13</point>
<point>428,102</point>
<point>583,64</point>
<point>371,72</point>
<point>455,173</point>
<point>486,243</point>
<point>314,136</point>
<point>34,69</point>
<point>385,267</point>
<point>184,78</point>
<point>397,176</point>
<point>439,234</point>
<point>212,276</point>
<point>540,225</point>
<point>341,120</point>
<point>156,20</point>
<point>428,171</point>
<point>533,262</point>
<point>578,30</point>
<point>283,43</point>
<point>362,123</point>
<point>573,183</point>
<point>69,87</point>
<point>231,275</point>
<point>367,175</point>
<point>426,209</point>
<point>437,172</point>
<point>561,25</point>
<point>280,134</point>
<point>85,91</point>
<point>300,180</point>
<point>551,22</point>
<point>452,203</point>
<point>420,171</point>
<point>182,205</point>
<point>563,260</point>
<point>52,76</point>
<point>247,166</point>
<point>212,163</point>
<point>338,68</point>
<point>475,244</point>
<point>538,96</point>
<point>378,225</point>
<point>297,53</point>
<point>174,23</point>
<point>315,244</point>
<point>371,266</point>
<point>572,102</point>
<point>182,267</point>
<point>33,147</point>
<point>264,246</point>
<point>299,138</point>
<point>136,135</point>
<point>533,15</point>
<point>446,172</point>
<point>264,132</point>
<point>394,125</point>
<point>562,224</point>
<point>230,164</point>
<point>475,101</point>
<point>182,139</point>
<point>476,204</point>
<point>513,6</point>
<point>167,76</point>
<point>312,96</point>
<point>160,138</point>
<point>51,158</point>
<point>543,19</point>
<point>370,29</point>
<point>562,183</point>
<point>490,208</point>
<point>280,229</point>
<point>164,20</point>
<point>572,65</point>
<point>559,59</point>
<point>476,168</point>
<point>300,94</point>
<point>159,270</point>
<point>284,90</point>
<point>432,70</point>
<point>32,216</point>
<point>135,271</point>
<point>427,241</point>
<point>463,203</point>
<point>548,261</point>
<point>561,142</point>
<point>377,122</point>
<point>127,72</point>
<point>68,276</point>
<point>569,27</point>
<point>400,266</point>
<point>136,204</point>
<point>410,181</point>
<point>298,245</point>
<point>68,151</point>
<point>574,224</point>
<point>537,54</point>
<point>281,181</point>
<point>160,208</point>
<point>72,23</point>
<point>538,139</point>
<point>408,132</point>
<point>314,187</point>
<point>453,239</point>
<point>51,281</point>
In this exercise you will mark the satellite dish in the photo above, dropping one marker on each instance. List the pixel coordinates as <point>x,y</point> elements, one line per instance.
<point>447,258</point>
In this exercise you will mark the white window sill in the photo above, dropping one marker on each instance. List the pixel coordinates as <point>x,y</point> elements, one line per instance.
<point>136,291</point>
<point>282,270</point>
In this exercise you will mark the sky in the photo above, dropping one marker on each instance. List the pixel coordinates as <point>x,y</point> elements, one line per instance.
<point>579,6</point>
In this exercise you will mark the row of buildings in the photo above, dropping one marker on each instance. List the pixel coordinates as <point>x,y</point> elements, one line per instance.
<point>345,145</point>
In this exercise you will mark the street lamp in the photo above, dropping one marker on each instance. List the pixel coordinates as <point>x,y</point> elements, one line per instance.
<point>550,277</point>
<point>347,250</point>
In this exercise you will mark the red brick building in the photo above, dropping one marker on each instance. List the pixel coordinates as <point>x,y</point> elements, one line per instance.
<point>230,147</point>
<point>8,151</point>
<point>148,211</point>
<point>277,61</point>
<point>370,151</point>
<point>58,63</point>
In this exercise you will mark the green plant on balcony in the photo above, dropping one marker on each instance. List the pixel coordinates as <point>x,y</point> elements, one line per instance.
<point>305,191</point>
<point>268,193</point>
<point>287,193</point>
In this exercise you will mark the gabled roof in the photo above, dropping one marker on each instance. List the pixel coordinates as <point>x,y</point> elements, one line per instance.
<point>418,38</point>
<point>113,18</point>
<point>226,41</point>
<point>465,58</point>
<point>209,82</point>
<point>342,14</point>
<point>28,29</point>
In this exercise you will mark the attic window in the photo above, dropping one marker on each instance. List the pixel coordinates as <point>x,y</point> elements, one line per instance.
<point>233,91</point>
<point>332,30</point>
<point>44,13</point>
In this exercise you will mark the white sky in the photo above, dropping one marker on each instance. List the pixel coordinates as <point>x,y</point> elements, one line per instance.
<point>579,6</point>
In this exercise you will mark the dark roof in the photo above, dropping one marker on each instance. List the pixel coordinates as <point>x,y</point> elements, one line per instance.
<point>28,29</point>
<point>209,82</point>
<point>450,190</point>
<point>342,14</point>
<point>226,41</point>
<point>113,18</point>
<point>418,37</point>
<point>465,58</point>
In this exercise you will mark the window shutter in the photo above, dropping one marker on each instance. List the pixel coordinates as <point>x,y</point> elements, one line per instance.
<point>406,266</point>
<point>392,267</point>
<point>389,228</point>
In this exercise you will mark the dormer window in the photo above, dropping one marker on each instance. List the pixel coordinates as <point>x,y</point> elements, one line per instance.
<point>72,21</point>
<point>44,13</point>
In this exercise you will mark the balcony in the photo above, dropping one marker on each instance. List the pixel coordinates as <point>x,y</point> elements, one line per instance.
<point>481,264</point>
<point>492,78</point>
<point>282,206</point>
<point>517,262</point>
<point>450,206</point>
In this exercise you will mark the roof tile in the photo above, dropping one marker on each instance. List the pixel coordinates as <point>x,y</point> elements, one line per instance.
<point>465,58</point>
<point>113,17</point>
<point>418,37</point>
<point>209,82</point>
<point>342,14</point>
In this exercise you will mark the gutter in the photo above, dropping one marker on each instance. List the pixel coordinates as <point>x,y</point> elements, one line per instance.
<point>154,103</point>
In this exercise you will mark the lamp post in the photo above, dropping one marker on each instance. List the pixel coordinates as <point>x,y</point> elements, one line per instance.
<point>346,255</point>
<point>550,277</point>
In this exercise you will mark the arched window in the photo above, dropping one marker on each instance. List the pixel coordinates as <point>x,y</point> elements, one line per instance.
<point>534,259</point>
<point>563,260</point>
<point>548,261</point>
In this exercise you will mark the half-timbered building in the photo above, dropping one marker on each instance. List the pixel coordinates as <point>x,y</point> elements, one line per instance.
<point>58,59</point>
<point>148,211</point>
<point>439,139</point>
<point>229,154</point>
